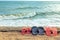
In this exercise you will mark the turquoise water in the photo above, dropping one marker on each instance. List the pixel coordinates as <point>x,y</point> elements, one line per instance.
<point>24,13</point>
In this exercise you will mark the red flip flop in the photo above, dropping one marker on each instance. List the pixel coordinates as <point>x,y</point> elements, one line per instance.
<point>48,31</point>
<point>28,30</point>
<point>23,31</point>
<point>54,31</point>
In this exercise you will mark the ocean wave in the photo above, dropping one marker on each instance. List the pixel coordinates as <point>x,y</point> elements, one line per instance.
<point>27,8</point>
<point>32,15</point>
<point>20,15</point>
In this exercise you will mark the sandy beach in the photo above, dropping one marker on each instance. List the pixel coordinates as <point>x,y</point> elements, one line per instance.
<point>17,35</point>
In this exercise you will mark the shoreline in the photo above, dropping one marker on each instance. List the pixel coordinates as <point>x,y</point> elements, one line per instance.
<point>16,28</point>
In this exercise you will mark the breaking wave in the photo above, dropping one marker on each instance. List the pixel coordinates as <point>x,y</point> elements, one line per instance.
<point>32,15</point>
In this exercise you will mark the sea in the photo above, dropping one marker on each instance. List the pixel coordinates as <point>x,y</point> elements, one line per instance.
<point>29,13</point>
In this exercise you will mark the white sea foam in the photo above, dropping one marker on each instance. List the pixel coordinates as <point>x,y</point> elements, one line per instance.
<point>28,22</point>
<point>50,20</point>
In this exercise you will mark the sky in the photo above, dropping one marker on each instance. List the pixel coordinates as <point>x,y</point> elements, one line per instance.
<point>29,0</point>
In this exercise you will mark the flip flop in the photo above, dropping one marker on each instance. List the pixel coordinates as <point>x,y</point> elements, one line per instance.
<point>41,30</point>
<point>34,30</point>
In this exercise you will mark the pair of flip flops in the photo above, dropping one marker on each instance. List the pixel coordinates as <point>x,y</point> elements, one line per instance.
<point>26,30</point>
<point>37,30</point>
<point>49,31</point>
